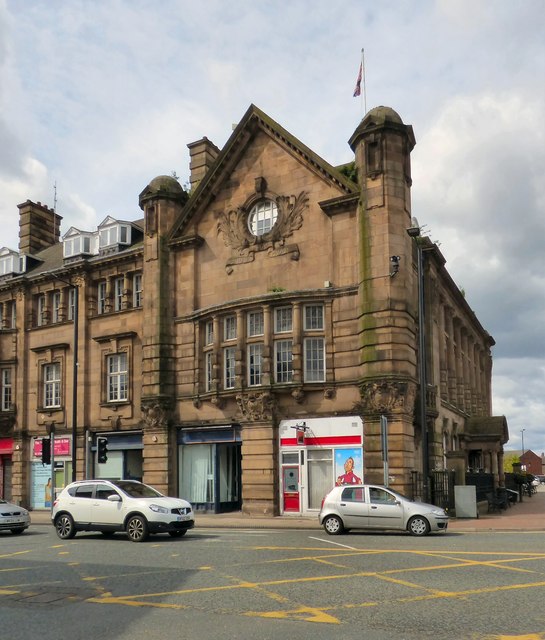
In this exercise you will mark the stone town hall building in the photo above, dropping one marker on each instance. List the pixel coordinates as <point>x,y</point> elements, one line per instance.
<point>240,345</point>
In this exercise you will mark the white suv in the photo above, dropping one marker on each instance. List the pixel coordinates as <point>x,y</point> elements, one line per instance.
<point>120,505</point>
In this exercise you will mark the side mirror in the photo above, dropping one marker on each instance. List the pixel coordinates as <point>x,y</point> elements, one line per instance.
<point>114,498</point>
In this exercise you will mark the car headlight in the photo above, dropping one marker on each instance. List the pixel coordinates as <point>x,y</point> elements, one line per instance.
<point>439,512</point>
<point>158,509</point>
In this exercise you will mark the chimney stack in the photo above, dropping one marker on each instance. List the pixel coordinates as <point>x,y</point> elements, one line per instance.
<point>39,227</point>
<point>202,155</point>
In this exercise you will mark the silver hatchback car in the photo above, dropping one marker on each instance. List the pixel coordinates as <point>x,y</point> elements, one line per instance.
<point>13,518</point>
<point>375,507</point>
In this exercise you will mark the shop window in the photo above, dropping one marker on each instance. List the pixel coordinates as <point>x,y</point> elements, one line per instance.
<point>320,472</point>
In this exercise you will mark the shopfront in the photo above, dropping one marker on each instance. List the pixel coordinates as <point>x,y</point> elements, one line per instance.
<point>41,475</point>
<point>124,456</point>
<point>315,455</point>
<point>209,468</point>
<point>6,450</point>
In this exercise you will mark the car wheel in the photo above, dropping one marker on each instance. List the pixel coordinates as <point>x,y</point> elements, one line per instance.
<point>418,526</point>
<point>64,524</point>
<point>177,534</point>
<point>17,531</point>
<point>137,529</point>
<point>333,525</point>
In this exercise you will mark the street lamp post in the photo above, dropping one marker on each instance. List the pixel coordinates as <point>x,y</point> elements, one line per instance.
<point>522,436</point>
<point>414,232</point>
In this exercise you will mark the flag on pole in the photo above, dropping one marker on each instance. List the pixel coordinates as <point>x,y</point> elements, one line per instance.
<point>357,89</point>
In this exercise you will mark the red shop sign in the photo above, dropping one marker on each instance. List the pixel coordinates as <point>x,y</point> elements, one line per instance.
<point>62,447</point>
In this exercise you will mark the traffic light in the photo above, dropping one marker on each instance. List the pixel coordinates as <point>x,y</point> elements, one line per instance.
<point>102,450</point>
<point>46,450</point>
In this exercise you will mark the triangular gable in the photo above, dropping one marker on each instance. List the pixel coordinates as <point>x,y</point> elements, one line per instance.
<point>73,231</point>
<point>253,120</point>
<point>109,220</point>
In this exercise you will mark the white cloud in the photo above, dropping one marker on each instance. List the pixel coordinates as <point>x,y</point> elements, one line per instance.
<point>99,98</point>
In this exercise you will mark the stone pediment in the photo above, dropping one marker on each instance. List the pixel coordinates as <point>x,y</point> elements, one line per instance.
<point>253,122</point>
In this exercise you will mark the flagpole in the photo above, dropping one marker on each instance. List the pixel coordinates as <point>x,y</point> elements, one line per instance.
<point>363,77</point>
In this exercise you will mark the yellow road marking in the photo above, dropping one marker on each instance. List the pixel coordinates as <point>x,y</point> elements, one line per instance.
<point>308,614</point>
<point>15,553</point>
<point>16,569</point>
<point>297,611</point>
<point>531,636</point>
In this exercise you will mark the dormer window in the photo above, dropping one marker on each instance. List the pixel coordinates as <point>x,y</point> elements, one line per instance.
<point>112,233</point>
<point>9,262</point>
<point>76,243</point>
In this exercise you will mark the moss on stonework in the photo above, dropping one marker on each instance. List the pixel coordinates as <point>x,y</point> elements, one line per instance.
<point>350,170</point>
<point>368,324</point>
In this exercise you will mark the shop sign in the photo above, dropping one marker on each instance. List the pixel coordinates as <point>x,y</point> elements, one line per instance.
<point>6,445</point>
<point>62,447</point>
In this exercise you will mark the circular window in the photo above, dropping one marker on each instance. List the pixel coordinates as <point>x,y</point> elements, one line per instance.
<point>262,217</point>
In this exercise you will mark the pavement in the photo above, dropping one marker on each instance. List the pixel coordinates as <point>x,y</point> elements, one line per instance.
<point>528,515</point>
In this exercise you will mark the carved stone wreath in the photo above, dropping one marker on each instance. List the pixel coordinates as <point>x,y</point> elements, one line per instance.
<point>387,396</point>
<point>257,406</point>
<point>233,225</point>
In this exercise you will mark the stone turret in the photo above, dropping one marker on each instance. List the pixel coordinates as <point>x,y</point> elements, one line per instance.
<point>382,145</point>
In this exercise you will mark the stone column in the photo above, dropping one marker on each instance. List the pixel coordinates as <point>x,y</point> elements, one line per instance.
<point>158,456</point>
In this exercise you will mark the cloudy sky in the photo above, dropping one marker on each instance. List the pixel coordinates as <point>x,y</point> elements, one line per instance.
<point>100,96</point>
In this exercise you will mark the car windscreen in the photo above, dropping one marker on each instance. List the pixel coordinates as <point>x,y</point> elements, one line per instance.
<point>138,490</point>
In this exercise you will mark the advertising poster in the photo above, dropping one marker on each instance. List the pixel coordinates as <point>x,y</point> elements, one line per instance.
<point>41,486</point>
<point>348,466</point>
